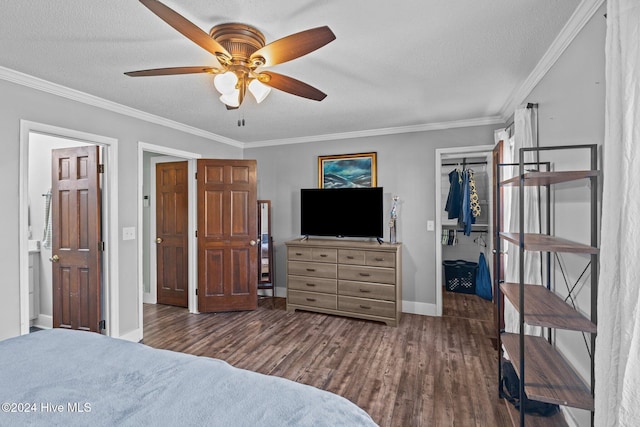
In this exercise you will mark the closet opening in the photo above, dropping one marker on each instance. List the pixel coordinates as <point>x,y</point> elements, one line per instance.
<point>464,232</point>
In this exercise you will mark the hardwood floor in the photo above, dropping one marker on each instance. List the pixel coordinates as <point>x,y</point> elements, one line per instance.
<point>428,371</point>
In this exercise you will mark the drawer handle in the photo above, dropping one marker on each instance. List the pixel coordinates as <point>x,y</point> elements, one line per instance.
<point>311,299</point>
<point>349,257</point>
<point>365,291</point>
<point>365,274</point>
<point>298,253</point>
<point>323,255</point>
<point>311,284</point>
<point>379,259</point>
<point>366,307</point>
<point>311,269</point>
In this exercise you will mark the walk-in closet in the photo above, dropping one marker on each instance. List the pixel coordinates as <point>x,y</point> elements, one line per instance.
<point>465,234</point>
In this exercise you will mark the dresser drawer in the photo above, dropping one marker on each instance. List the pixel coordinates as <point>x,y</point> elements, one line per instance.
<point>351,256</point>
<point>367,290</point>
<point>314,269</point>
<point>313,284</point>
<point>311,299</point>
<point>367,306</point>
<point>380,259</point>
<point>299,254</point>
<point>324,255</point>
<point>366,274</point>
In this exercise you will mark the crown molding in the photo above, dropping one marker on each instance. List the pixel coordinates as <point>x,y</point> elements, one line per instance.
<point>583,13</point>
<point>481,121</point>
<point>85,98</point>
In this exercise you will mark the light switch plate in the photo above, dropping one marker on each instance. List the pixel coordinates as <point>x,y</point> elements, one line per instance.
<point>431,225</point>
<point>128,233</point>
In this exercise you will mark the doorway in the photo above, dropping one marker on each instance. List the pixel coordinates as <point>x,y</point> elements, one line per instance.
<point>36,299</point>
<point>149,155</point>
<point>444,155</point>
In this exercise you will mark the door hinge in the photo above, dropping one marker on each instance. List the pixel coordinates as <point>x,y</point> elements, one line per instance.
<point>101,168</point>
<point>101,246</point>
<point>196,291</point>
<point>196,175</point>
<point>102,325</point>
<point>196,233</point>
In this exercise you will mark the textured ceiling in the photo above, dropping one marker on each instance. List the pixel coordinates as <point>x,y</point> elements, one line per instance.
<point>393,65</point>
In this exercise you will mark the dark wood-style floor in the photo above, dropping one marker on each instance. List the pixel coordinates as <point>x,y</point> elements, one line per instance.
<point>428,371</point>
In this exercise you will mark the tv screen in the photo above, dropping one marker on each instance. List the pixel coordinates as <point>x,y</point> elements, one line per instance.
<point>349,212</point>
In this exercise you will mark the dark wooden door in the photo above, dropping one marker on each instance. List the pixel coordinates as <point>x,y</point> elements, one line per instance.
<point>172,223</point>
<point>498,226</point>
<point>227,234</point>
<point>75,218</point>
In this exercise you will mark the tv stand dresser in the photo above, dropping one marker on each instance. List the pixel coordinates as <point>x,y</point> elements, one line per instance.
<point>345,277</point>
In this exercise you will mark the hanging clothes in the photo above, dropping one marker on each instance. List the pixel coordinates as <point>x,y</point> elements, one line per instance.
<point>474,201</point>
<point>463,202</point>
<point>466,219</point>
<point>454,199</point>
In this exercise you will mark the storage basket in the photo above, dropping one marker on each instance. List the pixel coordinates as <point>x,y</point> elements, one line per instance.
<point>460,276</point>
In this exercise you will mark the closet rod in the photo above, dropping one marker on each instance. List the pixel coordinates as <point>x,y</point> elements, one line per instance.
<point>466,163</point>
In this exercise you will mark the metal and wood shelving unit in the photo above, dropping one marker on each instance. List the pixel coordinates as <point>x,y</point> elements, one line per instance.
<point>544,373</point>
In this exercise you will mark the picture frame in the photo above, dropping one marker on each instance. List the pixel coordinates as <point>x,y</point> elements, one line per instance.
<point>347,170</point>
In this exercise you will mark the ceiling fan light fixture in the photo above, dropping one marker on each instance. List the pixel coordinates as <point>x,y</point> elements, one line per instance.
<point>231,99</point>
<point>259,90</point>
<point>225,83</point>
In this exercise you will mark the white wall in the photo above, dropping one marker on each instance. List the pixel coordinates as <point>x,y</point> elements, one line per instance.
<point>22,103</point>
<point>405,168</point>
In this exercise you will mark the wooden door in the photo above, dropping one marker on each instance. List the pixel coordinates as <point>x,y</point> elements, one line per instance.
<point>172,224</point>
<point>227,234</point>
<point>498,225</point>
<point>76,258</point>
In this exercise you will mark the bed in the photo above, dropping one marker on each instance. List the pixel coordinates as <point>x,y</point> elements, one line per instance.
<point>62,377</point>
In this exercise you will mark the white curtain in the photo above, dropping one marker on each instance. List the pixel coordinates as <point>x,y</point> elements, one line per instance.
<point>617,356</point>
<point>525,135</point>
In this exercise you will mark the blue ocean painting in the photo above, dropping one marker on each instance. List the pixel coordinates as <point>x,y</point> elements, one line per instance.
<point>342,173</point>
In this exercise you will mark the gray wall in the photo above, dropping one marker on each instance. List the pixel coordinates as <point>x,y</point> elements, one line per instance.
<point>405,168</point>
<point>19,102</point>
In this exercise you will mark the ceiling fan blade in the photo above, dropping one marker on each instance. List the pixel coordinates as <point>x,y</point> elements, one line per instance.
<point>294,46</point>
<point>186,27</point>
<point>291,85</point>
<point>172,71</point>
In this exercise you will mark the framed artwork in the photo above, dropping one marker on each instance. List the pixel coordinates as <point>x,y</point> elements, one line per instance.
<point>347,170</point>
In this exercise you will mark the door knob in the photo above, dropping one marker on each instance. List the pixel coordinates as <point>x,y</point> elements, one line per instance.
<point>54,258</point>
<point>252,242</point>
<point>159,240</point>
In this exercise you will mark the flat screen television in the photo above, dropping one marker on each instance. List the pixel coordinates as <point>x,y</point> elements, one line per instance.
<point>342,212</point>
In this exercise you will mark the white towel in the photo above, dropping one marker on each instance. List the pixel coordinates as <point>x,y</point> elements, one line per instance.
<point>46,238</point>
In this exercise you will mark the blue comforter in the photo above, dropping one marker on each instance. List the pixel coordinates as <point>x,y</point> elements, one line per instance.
<point>68,378</point>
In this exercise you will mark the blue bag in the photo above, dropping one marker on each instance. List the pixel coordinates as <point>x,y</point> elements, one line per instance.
<point>483,279</point>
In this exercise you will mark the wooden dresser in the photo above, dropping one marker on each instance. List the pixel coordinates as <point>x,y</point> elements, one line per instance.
<point>345,277</point>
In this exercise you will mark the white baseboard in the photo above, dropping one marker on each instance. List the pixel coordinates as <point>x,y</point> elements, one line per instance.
<point>135,336</point>
<point>44,321</point>
<point>148,298</point>
<point>421,308</point>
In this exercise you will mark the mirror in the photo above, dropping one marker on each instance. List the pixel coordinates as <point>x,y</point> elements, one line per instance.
<point>265,271</point>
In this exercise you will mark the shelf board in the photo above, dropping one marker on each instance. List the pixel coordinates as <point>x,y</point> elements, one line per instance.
<point>548,377</point>
<point>543,242</point>
<point>545,308</point>
<point>547,178</point>
<point>555,420</point>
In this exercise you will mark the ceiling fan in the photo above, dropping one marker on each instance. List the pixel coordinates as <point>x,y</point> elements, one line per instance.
<point>241,52</point>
